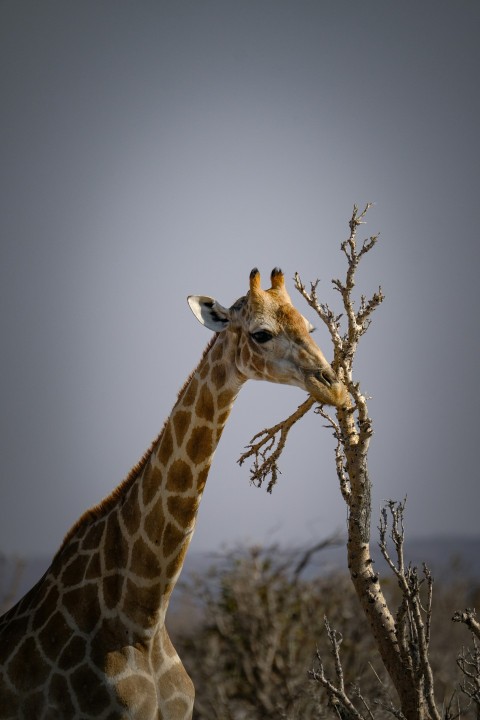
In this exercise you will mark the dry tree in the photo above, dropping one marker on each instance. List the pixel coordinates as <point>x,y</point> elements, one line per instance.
<point>402,635</point>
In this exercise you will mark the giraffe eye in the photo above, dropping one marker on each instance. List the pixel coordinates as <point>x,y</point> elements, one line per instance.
<point>262,336</point>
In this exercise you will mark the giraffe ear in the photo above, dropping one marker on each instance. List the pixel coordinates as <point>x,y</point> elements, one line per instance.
<point>209,312</point>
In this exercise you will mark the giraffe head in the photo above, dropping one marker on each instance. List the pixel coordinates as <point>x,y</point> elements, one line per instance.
<point>272,339</point>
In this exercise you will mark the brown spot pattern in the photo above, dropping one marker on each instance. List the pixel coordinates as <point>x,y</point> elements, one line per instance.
<point>172,538</point>
<point>223,417</point>
<point>202,479</point>
<point>115,548</point>
<point>151,482</point>
<point>33,705</point>
<point>177,562</point>
<point>115,663</point>
<point>204,371</point>
<point>181,423</point>
<point>75,571</point>
<point>112,590</point>
<point>180,477</point>
<point>16,629</point>
<point>165,449</point>
<point>92,696</point>
<point>174,681</point>
<point>84,607</point>
<point>145,562</point>
<point>141,603</point>
<point>103,645</point>
<point>93,570</point>
<point>93,537</point>
<point>73,653</point>
<point>178,706</point>
<point>205,408</point>
<point>199,446</point>
<point>154,523</point>
<point>224,398</point>
<point>27,668</point>
<point>53,636</point>
<point>217,352</point>
<point>137,686</point>
<point>46,607</point>
<point>59,696</point>
<point>219,376</point>
<point>183,509</point>
<point>131,510</point>
<point>190,393</point>
<point>167,684</point>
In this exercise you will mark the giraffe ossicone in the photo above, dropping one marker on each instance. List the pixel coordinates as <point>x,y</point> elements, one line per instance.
<point>89,639</point>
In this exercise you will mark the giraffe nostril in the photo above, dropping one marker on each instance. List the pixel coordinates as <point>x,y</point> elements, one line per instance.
<point>327,377</point>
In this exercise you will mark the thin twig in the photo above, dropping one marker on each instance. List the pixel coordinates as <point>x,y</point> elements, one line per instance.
<point>335,691</point>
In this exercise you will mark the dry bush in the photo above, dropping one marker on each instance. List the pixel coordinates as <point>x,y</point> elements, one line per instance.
<point>250,655</point>
<point>253,652</point>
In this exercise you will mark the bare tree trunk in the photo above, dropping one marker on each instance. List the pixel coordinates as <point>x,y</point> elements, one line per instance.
<point>402,640</point>
<point>367,584</point>
<point>411,677</point>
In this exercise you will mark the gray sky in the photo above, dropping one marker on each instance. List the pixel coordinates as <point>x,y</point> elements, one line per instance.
<point>150,150</point>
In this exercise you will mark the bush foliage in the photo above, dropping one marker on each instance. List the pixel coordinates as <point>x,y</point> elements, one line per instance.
<point>260,628</point>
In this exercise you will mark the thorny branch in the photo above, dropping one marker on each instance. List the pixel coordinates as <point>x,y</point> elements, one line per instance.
<point>266,446</point>
<point>402,640</point>
<point>268,449</point>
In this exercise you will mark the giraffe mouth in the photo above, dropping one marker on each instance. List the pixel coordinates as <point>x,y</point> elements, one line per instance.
<point>326,388</point>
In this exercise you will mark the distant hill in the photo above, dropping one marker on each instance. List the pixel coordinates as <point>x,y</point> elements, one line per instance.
<point>445,556</point>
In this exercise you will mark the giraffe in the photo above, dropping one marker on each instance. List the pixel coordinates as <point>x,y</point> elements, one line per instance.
<point>89,639</point>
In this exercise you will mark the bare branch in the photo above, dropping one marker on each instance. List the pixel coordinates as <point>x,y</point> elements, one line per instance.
<point>340,461</point>
<point>413,619</point>
<point>469,663</point>
<point>333,541</point>
<point>323,311</point>
<point>397,535</point>
<point>366,309</point>
<point>428,609</point>
<point>269,447</point>
<point>336,694</point>
<point>468,617</point>
<point>356,692</point>
<point>390,708</point>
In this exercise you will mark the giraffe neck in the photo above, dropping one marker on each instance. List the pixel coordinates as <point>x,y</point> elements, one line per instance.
<point>134,543</point>
<point>171,484</point>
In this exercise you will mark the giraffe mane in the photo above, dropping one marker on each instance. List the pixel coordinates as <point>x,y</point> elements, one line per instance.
<point>104,506</point>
